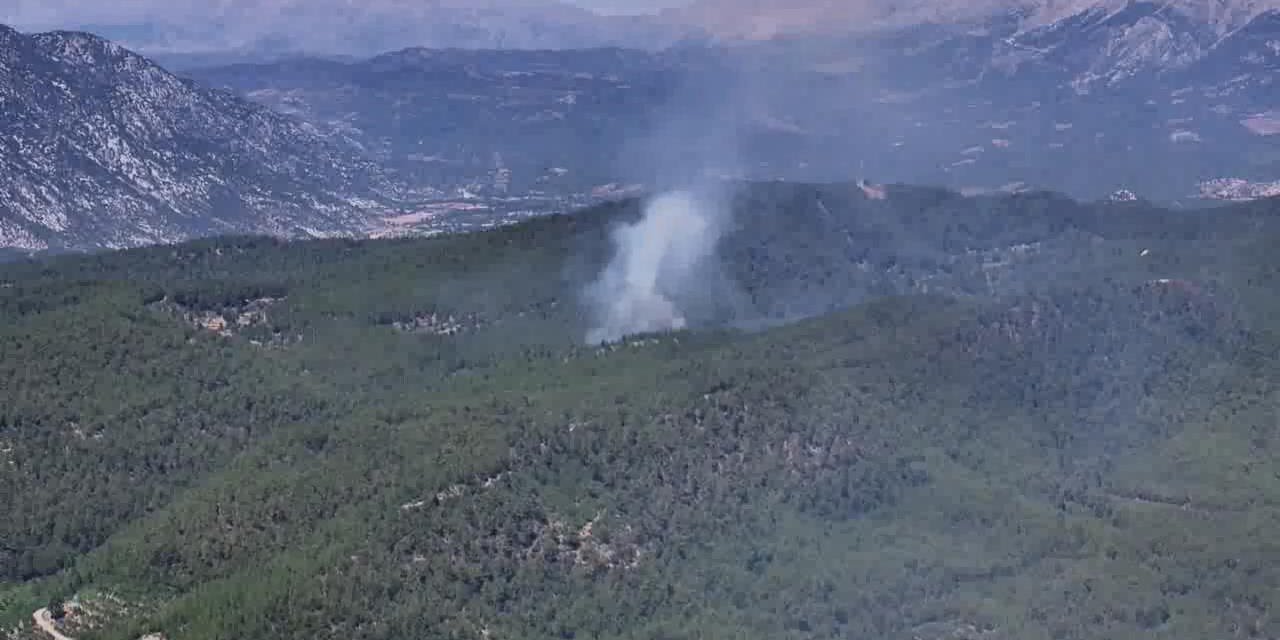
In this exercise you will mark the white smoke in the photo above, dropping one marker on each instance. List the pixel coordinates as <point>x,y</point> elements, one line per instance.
<point>657,260</point>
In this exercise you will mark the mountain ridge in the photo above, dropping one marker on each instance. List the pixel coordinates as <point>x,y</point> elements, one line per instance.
<point>336,26</point>
<point>769,18</point>
<point>104,148</point>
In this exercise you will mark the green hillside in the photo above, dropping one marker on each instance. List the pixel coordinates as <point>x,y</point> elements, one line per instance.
<point>919,417</point>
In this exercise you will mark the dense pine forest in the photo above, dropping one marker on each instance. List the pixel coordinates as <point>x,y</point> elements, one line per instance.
<point>917,416</point>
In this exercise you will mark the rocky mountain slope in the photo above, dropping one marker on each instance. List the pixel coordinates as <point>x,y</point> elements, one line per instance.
<point>1132,42</point>
<point>762,19</point>
<point>1160,97</point>
<point>101,148</point>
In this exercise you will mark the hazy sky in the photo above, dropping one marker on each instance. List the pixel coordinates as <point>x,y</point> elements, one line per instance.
<point>206,25</point>
<point>627,6</point>
<point>71,12</point>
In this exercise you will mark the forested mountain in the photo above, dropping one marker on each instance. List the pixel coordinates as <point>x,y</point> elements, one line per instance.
<point>895,412</point>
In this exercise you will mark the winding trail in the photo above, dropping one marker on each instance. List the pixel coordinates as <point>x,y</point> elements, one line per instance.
<point>44,622</point>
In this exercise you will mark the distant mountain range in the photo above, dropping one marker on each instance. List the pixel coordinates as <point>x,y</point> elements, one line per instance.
<point>537,120</point>
<point>280,27</point>
<point>268,29</point>
<point>1170,101</point>
<point>756,19</point>
<point>1146,98</point>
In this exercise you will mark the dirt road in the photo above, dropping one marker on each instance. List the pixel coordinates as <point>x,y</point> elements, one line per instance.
<point>44,622</point>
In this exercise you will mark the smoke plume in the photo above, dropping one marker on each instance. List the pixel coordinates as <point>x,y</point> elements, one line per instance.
<point>665,274</point>
<point>658,260</point>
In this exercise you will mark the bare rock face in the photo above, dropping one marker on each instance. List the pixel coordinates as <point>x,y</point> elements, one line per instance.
<point>769,18</point>
<point>101,148</point>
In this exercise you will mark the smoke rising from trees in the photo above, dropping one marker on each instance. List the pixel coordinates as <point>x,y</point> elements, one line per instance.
<point>658,259</point>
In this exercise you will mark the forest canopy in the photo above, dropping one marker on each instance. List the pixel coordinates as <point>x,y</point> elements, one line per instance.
<point>925,416</point>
